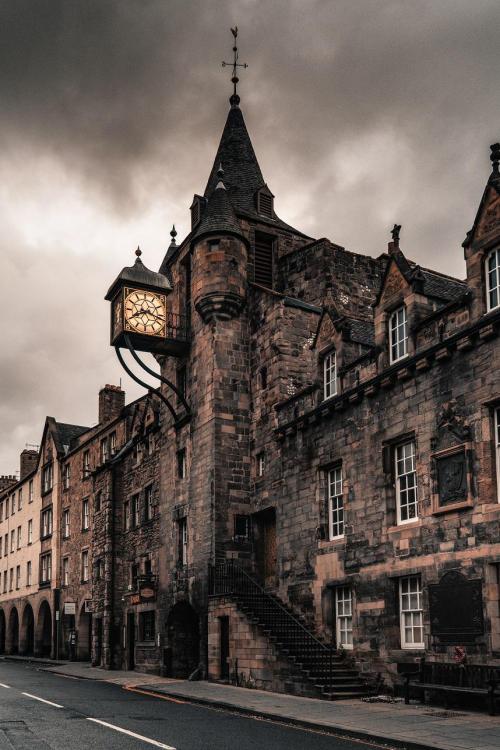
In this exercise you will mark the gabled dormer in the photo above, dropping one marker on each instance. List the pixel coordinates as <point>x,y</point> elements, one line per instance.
<point>482,246</point>
<point>264,202</point>
<point>340,342</point>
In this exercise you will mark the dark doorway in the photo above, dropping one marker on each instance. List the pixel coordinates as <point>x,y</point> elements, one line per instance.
<point>84,643</point>
<point>2,631</point>
<point>130,640</point>
<point>98,641</point>
<point>264,524</point>
<point>27,645</point>
<point>44,630</point>
<point>183,633</point>
<point>224,647</point>
<point>13,634</point>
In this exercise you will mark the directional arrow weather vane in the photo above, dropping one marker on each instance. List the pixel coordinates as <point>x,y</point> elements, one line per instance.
<point>235,99</point>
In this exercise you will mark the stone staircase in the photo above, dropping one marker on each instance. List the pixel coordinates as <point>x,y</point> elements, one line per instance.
<point>321,670</point>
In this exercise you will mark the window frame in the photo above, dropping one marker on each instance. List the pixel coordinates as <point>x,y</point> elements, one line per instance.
<point>182,530</point>
<point>398,481</point>
<point>46,522</point>
<point>65,571</point>
<point>66,476</point>
<point>29,572</point>
<point>181,463</point>
<point>47,477</point>
<point>394,339</point>
<point>85,514</point>
<point>330,383</point>
<point>30,491</point>
<point>66,523</point>
<point>494,252</point>
<point>344,619</point>
<point>339,505</point>
<point>86,464</point>
<point>85,565</point>
<point>411,645</point>
<point>46,568</point>
<point>30,531</point>
<point>149,508</point>
<point>147,625</point>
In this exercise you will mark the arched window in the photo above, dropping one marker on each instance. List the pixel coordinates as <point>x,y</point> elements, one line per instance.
<point>493,279</point>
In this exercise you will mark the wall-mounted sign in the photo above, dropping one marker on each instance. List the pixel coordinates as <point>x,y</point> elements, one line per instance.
<point>69,608</point>
<point>87,605</point>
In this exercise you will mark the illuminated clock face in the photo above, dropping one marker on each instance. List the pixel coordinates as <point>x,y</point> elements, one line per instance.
<point>145,312</point>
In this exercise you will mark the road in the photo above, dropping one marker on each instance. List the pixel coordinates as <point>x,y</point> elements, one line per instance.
<point>42,711</point>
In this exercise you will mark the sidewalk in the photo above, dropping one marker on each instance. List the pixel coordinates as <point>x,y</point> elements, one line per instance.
<point>394,724</point>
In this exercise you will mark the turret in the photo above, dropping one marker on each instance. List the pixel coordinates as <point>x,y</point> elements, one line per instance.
<point>219,259</point>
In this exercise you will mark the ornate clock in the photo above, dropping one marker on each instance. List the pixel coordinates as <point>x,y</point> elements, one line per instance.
<point>139,309</point>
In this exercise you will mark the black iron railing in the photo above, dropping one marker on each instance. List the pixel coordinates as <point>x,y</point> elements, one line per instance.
<point>293,637</point>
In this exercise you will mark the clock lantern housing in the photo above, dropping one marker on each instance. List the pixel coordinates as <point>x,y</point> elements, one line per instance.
<point>139,311</point>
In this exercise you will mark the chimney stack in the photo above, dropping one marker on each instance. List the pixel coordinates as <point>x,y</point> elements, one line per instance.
<point>6,481</point>
<point>29,460</point>
<point>111,402</point>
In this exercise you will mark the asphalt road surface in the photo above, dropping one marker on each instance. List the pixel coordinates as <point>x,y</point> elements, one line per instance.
<point>41,710</point>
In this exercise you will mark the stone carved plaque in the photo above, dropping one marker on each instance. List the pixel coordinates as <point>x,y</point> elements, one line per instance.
<point>456,609</point>
<point>452,478</point>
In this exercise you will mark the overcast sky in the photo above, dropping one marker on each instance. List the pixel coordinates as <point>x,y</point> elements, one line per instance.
<point>362,113</point>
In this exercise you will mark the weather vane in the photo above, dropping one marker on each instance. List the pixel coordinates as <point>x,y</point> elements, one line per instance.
<point>235,99</point>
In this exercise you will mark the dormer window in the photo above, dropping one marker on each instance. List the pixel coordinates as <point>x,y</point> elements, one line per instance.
<point>398,331</point>
<point>196,210</point>
<point>330,375</point>
<point>493,279</point>
<point>265,203</point>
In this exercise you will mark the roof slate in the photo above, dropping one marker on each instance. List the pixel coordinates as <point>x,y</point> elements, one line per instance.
<point>218,216</point>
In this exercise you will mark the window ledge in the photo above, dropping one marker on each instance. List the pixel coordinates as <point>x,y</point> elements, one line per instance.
<point>339,541</point>
<point>463,505</point>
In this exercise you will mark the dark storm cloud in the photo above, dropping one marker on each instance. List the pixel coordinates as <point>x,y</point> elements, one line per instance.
<point>362,113</point>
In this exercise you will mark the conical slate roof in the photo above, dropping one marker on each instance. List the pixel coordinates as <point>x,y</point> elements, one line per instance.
<point>218,217</point>
<point>242,175</point>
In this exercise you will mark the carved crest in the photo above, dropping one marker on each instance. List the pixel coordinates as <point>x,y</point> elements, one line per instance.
<point>450,418</point>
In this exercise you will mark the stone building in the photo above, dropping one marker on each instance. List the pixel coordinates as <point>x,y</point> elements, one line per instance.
<point>319,502</point>
<point>342,448</point>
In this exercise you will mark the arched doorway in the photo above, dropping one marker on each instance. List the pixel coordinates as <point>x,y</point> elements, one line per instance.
<point>43,634</point>
<point>27,640</point>
<point>84,644</point>
<point>13,632</point>
<point>183,634</point>
<point>2,631</point>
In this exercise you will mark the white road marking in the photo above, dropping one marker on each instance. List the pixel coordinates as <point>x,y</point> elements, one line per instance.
<point>35,697</point>
<point>132,734</point>
<point>5,686</point>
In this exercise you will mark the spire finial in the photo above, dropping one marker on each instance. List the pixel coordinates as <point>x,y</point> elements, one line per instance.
<point>173,234</point>
<point>495,157</point>
<point>138,252</point>
<point>235,99</point>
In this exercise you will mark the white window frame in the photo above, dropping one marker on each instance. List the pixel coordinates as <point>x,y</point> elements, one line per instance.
<point>65,571</point>
<point>86,464</point>
<point>85,514</point>
<point>343,617</point>
<point>406,482</point>
<point>335,497</point>
<point>183,530</point>
<point>28,573</point>
<point>19,539</point>
<point>30,491</point>
<point>135,508</point>
<point>398,334</point>
<point>330,375</point>
<point>18,577</point>
<point>65,524</point>
<point>411,614</point>
<point>66,476</point>
<point>46,568</point>
<point>497,447</point>
<point>20,499</point>
<point>46,522</point>
<point>149,507</point>
<point>12,540</point>
<point>85,566</point>
<point>30,531</point>
<point>261,464</point>
<point>492,274</point>
<point>47,477</point>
